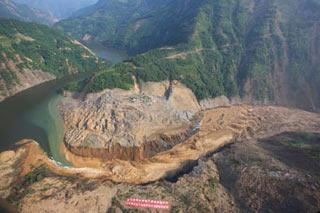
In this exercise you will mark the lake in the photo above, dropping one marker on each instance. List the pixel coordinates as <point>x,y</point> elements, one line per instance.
<point>108,53</point>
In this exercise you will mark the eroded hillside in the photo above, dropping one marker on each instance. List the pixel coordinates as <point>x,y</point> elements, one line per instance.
<point>254,172</point>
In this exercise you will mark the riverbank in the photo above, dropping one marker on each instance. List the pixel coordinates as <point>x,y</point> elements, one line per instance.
<point>27,79</point>
<point>32,113</point>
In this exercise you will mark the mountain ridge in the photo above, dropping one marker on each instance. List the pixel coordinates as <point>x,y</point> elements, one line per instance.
<point>59,8</point>
<point>263,51</point>
<point>31,54</point>
<point>12,10</point>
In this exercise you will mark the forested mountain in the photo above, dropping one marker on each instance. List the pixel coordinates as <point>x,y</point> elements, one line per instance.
<point>32,53</point>
<point>137,25</point>
<point>261,50</point>
<point>10,9</point>
<point>58,8</point>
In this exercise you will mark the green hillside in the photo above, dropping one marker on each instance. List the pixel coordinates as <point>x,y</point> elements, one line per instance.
<point>261,50</point>
<point>27,46</point>
<point>135,25</point>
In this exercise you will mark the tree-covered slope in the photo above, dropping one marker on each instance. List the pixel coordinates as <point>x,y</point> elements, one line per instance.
<point>12,10</point>
<point>31,53</point>
<point>136,25</point>
<point>261,50</point>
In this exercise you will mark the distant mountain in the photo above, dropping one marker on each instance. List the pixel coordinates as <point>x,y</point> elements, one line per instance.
<point>58,8</point>
<point>10,9</point>
<point>32,53</point>
<point>136,25</point>
<point>264,51</point>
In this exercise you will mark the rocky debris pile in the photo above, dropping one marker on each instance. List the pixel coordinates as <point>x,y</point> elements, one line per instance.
<point>250,174</point>
<point>9,170</point>
<point>210,103</point>
<point>125,124</point>
<point>217,128</point>
<point>275,120</point>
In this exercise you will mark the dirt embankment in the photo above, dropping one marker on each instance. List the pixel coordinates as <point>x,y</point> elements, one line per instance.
<point>247,176</point>
<point>242,177</point>
<point>218,128</point>
<point>159,143</point>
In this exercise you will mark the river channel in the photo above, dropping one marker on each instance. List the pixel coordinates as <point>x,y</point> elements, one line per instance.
<point>33,113</point>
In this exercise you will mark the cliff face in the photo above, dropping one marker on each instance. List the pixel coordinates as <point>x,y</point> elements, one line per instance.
<point>128,124</point>
<point>8,173</point>
<point>150,147</point>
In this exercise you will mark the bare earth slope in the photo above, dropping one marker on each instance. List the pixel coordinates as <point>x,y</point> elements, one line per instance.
<point>218,128</point>
<point>208,185</point>
<point>233,158</point>
<point>127,124</point>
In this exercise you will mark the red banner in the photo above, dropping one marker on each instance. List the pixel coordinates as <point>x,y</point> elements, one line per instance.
<point>143,203</point>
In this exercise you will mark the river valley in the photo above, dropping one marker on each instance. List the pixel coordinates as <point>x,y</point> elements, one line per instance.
<point>33,113</point>
<point>160,106</point>
<point>116,144</point>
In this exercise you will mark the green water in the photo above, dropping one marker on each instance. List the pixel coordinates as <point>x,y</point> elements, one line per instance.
<point>33,113</point>
<point>110,54</point>
<point>46,116</point>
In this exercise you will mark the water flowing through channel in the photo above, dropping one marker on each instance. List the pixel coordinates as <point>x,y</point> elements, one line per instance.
<point>33,113</point>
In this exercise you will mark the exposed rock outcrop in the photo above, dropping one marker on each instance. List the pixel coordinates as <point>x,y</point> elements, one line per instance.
<point>217,128</point>
<point>129,125</point>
